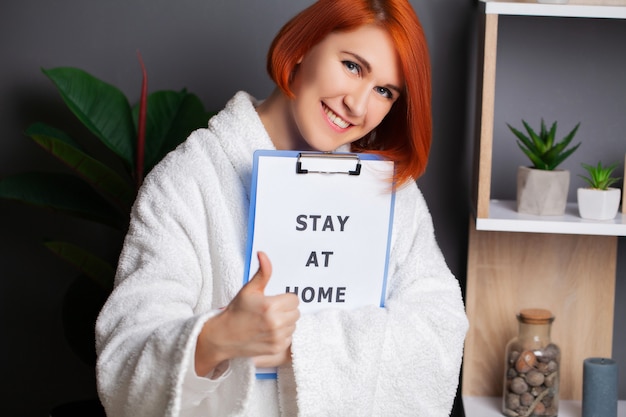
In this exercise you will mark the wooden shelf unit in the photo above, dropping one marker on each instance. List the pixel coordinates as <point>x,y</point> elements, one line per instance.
<point>563,263</point>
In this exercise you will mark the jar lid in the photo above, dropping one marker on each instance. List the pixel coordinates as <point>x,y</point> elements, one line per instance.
<point>535,316</point>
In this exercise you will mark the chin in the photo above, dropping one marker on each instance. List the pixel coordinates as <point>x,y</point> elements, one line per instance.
<point>325,146</point>
<point>326,149</point>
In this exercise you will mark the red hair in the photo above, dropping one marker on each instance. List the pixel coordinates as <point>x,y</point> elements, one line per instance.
<point>404,135</point>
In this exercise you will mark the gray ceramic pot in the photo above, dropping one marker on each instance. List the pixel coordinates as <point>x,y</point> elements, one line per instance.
<point>541,192</point>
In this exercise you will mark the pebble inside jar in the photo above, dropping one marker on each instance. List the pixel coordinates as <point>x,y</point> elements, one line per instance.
<point>531,368</point>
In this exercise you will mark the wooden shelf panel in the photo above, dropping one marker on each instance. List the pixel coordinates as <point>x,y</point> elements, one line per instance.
<point>503,217</point>
<point>573,276</point>
<point>490,407</point>
<point>605,9</point>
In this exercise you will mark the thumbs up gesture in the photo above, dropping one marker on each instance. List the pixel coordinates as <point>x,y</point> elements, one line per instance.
<point>252,325</point>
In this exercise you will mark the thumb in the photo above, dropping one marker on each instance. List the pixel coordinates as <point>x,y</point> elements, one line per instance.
<point>262,277</point>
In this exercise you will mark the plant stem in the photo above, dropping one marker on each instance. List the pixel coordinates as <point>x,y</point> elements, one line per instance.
<point>141,124</point>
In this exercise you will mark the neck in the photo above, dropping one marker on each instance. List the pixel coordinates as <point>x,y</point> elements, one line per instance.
<point>275,114</point>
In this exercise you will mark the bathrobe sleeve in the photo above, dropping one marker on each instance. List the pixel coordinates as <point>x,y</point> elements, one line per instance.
<point>165,290</point>
<point>400,360</point>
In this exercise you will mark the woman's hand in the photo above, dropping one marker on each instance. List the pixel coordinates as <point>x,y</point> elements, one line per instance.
<point>252,325</point>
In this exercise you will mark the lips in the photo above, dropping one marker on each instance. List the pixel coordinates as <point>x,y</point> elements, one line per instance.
<point>335,119</point>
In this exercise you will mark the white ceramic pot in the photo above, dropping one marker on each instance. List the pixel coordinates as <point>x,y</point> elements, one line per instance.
<point>596,204</point>
<point>542,192</point>
<point>553,1</point>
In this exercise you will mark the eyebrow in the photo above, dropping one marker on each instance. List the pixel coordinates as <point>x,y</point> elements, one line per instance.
<point>368,66</point>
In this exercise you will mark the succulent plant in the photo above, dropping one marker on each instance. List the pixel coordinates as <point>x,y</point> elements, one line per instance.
<point>600,176</point>
<point>542,149</point>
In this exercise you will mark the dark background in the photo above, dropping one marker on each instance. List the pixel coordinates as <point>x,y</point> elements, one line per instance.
<point>217,47</point>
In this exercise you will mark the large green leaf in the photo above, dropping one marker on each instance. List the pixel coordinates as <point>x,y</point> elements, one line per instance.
<point>62,192</point>
<point>191,115</point>
<point>100,176</point>
<point>171,117</point>
<point>89,264</point>
<point>100,106</point>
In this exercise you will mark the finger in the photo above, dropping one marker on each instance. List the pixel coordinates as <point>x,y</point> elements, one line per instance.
<point>281,326</point>
<point>284,302</point>
<point>277,358</point>
<point>262,277</point>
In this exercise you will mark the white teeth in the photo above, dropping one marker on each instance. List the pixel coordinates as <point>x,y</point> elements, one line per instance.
<point>335,119</point>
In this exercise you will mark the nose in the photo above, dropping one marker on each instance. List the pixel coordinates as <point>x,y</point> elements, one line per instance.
<point>356,100</point>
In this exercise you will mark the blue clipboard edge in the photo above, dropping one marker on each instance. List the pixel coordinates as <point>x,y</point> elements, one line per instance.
<point>252,216</point>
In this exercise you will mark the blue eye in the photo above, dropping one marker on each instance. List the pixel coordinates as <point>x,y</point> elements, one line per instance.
<point>353,67</point>
<point>385,92</point>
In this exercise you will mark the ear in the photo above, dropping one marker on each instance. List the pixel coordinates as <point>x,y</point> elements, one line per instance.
<point>299,61</point>
<point>293,72</point>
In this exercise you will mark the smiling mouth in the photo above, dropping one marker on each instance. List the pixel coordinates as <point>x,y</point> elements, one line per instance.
<point>334,118</point>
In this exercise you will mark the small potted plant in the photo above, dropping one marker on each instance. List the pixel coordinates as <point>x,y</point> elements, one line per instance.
<point>541,188</point>
<point>600,201</point>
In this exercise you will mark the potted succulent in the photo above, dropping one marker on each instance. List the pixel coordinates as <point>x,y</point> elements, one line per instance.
<point>600,201</point>
<point>541,188</point>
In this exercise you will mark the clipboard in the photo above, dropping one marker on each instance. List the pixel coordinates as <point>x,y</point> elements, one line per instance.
<point>325,222</point>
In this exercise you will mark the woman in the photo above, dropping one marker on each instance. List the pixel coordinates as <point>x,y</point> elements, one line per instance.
<point>179,336</point>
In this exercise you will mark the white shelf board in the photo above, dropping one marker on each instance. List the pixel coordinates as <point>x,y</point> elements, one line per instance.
<point>503,217</point>
<point>490,407</point>
<point>605,9</point>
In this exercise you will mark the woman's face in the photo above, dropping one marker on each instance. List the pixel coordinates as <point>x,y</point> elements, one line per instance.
<point>344,87</point>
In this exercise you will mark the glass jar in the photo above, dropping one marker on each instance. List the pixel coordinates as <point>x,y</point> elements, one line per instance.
<point>532,368</point>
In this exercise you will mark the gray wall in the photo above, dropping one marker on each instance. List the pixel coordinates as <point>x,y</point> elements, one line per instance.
<point>568,70</point>
<point>214,48</point>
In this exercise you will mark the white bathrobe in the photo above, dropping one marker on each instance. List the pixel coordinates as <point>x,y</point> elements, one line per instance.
<point>183,259</point>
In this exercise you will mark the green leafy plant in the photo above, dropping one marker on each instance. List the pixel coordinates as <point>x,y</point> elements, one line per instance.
<point>600,176</point>
<point>542,149</point>
<point>100,188</point>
